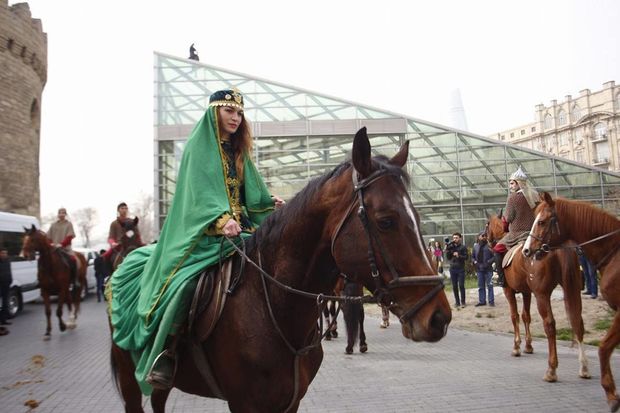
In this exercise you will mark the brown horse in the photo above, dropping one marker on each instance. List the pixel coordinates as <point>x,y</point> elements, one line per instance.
<point>353,314</point>
<point>54,276</point>
<point>540,277</point>
<point>129,242</point>
<point>598,233</point>
<point>265,351</point>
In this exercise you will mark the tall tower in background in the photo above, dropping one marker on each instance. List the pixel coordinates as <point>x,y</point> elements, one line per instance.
<point>457,111</point>
<point>23,73</point>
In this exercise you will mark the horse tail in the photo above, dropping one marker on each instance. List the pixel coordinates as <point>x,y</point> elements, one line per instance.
<point>114,371</point>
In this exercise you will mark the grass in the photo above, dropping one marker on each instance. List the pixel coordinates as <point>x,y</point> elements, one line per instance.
<point>471,281</point>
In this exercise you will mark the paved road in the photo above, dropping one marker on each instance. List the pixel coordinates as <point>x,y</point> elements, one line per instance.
<point>464,372</point>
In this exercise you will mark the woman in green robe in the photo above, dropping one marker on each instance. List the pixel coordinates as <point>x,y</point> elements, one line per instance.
<point>219,192</point>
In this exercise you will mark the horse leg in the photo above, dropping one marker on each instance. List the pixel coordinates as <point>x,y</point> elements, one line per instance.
<point>527,320</point>
<point>48,315</point>
<point>546,313</point>
<point>123,375</point>
<point>158,400</point>
<point>332,312</point>
<point>351,316</point>
<point>509,293</point>
<point>606,348</point>
<point>385,317</point>
<point>71,309</point>
<point>328,330</point>
<point>363,345</point>
<point>61,301</point>
<point>573,306</point>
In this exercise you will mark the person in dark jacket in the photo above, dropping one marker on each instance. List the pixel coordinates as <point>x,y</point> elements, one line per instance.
<point>456,253</point>
<point>101,273</point>
<point>6,279</point>
<point>482,258</point>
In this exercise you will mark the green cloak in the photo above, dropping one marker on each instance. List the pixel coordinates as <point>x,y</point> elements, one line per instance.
<point>150,291</point>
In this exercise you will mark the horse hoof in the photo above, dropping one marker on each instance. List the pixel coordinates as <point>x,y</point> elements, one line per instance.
<point>529,350</point>
<point>585,375</point>
<point>47,337</point>
<point>363,348</point>
<point>516,353</point>
<point>348,350</point>
<point>613,405</point>
<point>550,378</point>
<point>63,327</point>
<point>71,326</point>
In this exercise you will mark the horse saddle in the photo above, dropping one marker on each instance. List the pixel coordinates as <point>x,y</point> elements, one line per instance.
<point>510,255</point>
<point>209,298</point>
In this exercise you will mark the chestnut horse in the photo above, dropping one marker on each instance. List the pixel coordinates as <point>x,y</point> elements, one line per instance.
<point>265,349</point>
<point>54,276</point>
<point>129,242</point>
<point>541,277</point>
<point>598,233</point>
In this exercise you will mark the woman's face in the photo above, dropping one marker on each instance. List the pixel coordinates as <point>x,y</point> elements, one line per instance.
<point>229,119</point>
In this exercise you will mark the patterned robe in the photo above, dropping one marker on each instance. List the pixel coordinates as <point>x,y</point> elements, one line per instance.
<point>520,218</point>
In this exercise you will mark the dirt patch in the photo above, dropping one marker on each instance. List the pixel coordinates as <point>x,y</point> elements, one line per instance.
<point>497,319</point>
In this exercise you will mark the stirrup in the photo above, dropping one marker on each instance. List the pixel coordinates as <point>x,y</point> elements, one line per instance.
<point>161,376</point>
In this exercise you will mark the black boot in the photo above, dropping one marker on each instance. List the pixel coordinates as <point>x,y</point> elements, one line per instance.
<point>499,257</point>
<point>164,368</point>
<point>162,372</point>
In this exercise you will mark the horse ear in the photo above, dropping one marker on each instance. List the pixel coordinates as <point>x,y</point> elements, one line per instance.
<point>500,212</point>
<point>135,221</point>
<point>401,157</point>
<point>545,197</point>
<point>361,153</point>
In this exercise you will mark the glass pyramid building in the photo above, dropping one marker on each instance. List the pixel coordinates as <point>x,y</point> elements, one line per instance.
<point>458,178</point>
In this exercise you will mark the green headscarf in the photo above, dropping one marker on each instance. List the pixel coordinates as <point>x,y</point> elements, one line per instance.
<point>150,292</point>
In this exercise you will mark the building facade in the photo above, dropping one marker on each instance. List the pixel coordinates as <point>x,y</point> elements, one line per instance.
<point>23,73</point>
<point>458,179</point>
<point>583,129</point>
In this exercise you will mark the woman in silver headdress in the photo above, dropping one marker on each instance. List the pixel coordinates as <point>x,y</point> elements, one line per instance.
<point>519,215</point>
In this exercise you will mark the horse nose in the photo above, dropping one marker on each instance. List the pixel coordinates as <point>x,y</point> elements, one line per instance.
<point>439,324</point>
<point>526,252</point>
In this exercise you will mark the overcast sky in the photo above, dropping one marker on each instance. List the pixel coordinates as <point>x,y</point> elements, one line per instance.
<point>404,56</point>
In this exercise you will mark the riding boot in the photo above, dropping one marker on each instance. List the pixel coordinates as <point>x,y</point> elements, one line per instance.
<point>164,367</point>
<point>499,258</point>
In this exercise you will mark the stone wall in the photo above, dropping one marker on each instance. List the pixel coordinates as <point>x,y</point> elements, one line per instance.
<point>23,73</point>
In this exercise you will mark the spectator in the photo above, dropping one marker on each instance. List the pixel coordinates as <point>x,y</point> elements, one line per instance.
<point>456,252</point>
<point>438,254</point>
<point>6,279</point>
<point>482,258</point>
<point>589,275</point>
<point>101,273</point>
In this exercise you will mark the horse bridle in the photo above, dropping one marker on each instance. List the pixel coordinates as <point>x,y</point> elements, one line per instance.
<point>554,225</point>
<point>382,292</point>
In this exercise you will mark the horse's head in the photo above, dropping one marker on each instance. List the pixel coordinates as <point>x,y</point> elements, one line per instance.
<point>34,240</point>
<point>545,230</point>
<point>495,228</point>
<point>380,245</point>
<point>130,239</point>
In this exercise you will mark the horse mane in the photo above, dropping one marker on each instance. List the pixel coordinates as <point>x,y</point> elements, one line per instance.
<point>582,212</point>
<point>271,229</point>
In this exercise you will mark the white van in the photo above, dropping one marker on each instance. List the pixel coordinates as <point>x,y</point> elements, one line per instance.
<point>25,287</point>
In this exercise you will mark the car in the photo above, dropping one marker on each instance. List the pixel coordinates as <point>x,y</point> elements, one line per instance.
<point>25,286</point>
<point>90,255</point>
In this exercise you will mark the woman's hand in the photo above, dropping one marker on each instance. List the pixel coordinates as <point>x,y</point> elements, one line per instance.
<point>279,202</point>
<point>232,228</point>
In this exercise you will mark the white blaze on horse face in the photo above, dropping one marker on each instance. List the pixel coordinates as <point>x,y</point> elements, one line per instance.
<point>528,241</point>
<point>409,209</point>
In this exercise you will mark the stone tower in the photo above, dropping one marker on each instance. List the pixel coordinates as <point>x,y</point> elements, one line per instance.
<point>23,73</point>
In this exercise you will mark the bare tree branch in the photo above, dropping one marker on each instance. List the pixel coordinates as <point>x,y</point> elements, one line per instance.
<point>85,219</point>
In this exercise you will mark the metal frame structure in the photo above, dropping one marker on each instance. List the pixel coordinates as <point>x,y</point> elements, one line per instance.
<point>457,178</point>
